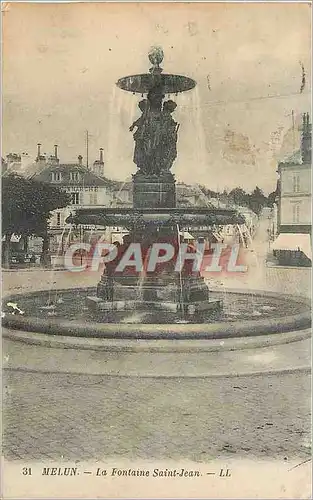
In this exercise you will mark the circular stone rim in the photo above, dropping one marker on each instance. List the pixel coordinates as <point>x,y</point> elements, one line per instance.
<point>177,331</point>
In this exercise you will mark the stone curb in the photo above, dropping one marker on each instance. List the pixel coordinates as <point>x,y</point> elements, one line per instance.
<point>276,266</point>
<point>119,374</point>
<point>154,346</point>
<point>32,269</point>
<point>246,328</point>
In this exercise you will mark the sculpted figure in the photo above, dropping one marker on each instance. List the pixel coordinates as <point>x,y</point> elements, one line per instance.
<point>170,130</point>
<point>156,135</point>
<point>139,135</point>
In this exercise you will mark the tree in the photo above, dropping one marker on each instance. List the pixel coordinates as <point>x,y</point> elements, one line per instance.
<point>257,200</point>
<point>272,197</point>
<point>26,209</point>
<point>239,196</point>
<point>4,166</point>
<point>208,192</point>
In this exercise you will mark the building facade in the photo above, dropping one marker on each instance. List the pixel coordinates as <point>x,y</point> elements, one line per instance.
<point>294,219</point>
<point>85,188</point>
<point>295,197</point>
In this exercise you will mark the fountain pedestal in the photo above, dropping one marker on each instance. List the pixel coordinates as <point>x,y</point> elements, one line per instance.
<point>153,191</point>
<point>186,296</point>
<point>164,289</point>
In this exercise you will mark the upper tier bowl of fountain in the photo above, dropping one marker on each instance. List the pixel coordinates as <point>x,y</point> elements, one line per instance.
<point>145,82</point>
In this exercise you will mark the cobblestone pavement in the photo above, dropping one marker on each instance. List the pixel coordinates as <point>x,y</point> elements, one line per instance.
<point>54,416</point>
<point>284,280</point>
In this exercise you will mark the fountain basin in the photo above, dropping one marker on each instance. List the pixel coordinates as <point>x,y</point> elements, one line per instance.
<point>67,315</point>
<point>158,216</point>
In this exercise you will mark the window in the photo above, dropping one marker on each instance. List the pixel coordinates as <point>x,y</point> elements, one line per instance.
<point>295,213</point>
<point>74,176</point>
<point>296,183</point>
<point>58,219</point>
<point>56,176</point>
<point>93,198</point>
<point>75,198</point>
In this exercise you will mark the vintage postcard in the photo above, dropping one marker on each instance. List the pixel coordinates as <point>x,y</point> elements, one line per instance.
<point>156,250</point>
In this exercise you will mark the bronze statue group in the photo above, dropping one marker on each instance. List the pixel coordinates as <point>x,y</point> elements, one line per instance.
<point>155,136</point>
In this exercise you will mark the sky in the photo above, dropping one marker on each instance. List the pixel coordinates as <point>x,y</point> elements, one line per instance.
<point>61,63</point>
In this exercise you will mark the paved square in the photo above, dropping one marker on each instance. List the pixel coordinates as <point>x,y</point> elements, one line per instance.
<point>54,416</point>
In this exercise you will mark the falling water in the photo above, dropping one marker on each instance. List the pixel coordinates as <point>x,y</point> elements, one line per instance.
<point>245,231</point>
<point>137,317</point>
<point>251,243</point>
<point>241,236</point>
<point>142,276</point>
<point>64,248</point>
<point>53,266</point>
<point>114,202</point>
<point>123,109</point>
<point>200,135</point>
<point>121,113</point>
<point>112,128</point>
<point>252,246</point>
<point>191,139</point>
<point>204,197</point>
<point>67,239</point>
<point>180,277</point>
<point>227,308</point>
<point>132,109</point>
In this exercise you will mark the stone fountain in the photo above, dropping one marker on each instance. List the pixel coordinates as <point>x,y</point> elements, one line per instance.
<point>155,304</point>
<point>154,217</point>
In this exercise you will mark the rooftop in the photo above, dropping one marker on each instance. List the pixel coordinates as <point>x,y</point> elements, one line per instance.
<point>295,158</point>
<point>87,177</point>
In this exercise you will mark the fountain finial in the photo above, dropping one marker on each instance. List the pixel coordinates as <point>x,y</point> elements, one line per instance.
<point>156,56</point>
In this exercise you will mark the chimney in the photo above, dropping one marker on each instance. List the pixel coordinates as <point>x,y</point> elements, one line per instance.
<point>56,151</point>
<point>24,160</point>
<point>306,139</point>
<point>80,160</point>
<point>101,155</point>
<point>38,151</point>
